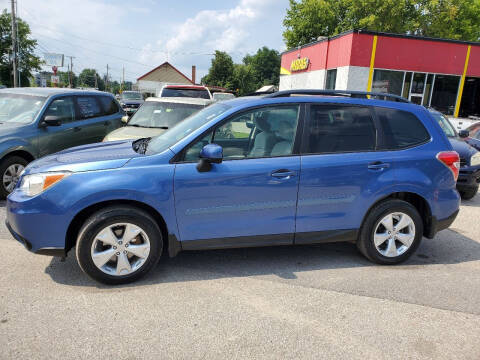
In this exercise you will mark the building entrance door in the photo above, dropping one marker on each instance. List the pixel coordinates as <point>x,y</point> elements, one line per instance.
<point>417,88</point>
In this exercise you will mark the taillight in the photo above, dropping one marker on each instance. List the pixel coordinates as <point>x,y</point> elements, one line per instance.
<point>450,159</point>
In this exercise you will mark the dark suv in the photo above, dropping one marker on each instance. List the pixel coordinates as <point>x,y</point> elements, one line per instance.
<point>39,121</point>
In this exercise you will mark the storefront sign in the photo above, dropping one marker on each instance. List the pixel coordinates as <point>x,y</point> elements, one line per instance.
<point>299,64</point>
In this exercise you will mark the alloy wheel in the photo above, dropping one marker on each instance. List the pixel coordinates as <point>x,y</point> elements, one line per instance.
<point>120,249</point>
<point>394,234</point>
<point>11,176</point>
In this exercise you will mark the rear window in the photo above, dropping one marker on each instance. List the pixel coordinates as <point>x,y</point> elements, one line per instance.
<point>401,129</point>
<point>88,107</point>
<point>193,93</point>
<point>334,129</point>
<point>109,106</point>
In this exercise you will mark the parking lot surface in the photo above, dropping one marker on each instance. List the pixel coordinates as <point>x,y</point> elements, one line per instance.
<point>323,301</point>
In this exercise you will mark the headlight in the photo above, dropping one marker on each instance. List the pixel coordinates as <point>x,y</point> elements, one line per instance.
<point>475,159</point>
<point>35,184</point>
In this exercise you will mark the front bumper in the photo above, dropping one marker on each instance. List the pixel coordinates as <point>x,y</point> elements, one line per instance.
<point>49,251</point>
<point>468,178</point>
<point>40,225</point>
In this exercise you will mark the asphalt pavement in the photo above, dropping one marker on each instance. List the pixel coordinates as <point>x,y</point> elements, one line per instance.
<point>308,302</point>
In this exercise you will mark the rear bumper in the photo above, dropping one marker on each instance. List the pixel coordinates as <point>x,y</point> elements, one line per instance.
<point>439,225</point>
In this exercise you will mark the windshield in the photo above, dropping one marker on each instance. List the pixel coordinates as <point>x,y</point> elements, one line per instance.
<point>19,108</point>
<point>444,124</point>
<point>131,96</point>
<point>162,114</point>
<point>184,128</point>
<point>223,96</point>
<point>193,93</point>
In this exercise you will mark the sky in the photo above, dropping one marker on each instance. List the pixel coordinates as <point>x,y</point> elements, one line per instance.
<point>141,34</point>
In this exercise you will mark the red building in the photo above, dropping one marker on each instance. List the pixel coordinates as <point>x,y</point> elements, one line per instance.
<point>441,73</point>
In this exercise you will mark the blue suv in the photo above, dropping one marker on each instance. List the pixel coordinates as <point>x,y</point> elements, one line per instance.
<point>256,171</point>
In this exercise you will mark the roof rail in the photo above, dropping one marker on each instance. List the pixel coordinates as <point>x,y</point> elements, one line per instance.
<point>350,93</point>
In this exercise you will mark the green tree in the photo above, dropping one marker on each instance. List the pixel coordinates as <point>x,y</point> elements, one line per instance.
<point>28,62</point>
<point>221,70</point>
<point>243,80</point>
<point>87,79</point>
<point>306,20</point>
<point>265,65</point>
<point>453,19</point>
<point>64,80</point>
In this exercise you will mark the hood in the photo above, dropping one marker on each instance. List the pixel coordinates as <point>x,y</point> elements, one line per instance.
<point>100,156</point>
<point>131,102</point>
<point>473,142</point>
<point>132,132</point>
<point>7,128</point>
<point>462,148</point>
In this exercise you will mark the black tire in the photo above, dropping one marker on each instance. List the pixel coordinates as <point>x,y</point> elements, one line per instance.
<point>365,242</point>
<point>109,216</point>
<point>469,193</point>
<point>4,165</point>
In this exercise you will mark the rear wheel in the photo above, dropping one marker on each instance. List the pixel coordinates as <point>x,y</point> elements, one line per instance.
<point>391,232</point>
<point>119,245</point>
<point>10,170</point>
<point>469,193</point>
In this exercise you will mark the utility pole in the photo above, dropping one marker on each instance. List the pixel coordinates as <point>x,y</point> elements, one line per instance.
<point>106,80</point>
<point>123,78</point>
<point>70,72</point>
<point>14,45</point>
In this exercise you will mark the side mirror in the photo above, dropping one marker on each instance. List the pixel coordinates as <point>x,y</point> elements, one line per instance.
<point>210,154</point>
<point>125,119</point>
<point>51,120</point>
<point>464,133</point>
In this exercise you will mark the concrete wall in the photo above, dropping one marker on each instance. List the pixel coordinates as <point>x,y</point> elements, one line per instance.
<point>303,80</point>
<point>348,78</point>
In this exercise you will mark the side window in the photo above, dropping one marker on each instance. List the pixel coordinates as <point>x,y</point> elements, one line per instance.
<point>88,107</point>
<point>264,132</point>
<point>64,108</point>
<point>109,106</point>
<point>401,129</point>
<point>335,129</point>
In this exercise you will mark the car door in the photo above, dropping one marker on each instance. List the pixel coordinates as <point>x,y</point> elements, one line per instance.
<point>341,171</point>
<point>92,122</point>
<point>55,138</point>
<point>112,118</point>
<point>247,200</point>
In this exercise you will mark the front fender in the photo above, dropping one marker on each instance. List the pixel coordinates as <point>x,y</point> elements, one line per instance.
<point>10,145</point>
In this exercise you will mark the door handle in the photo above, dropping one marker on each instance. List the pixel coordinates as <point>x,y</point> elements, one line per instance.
<point>77,129</point>
<point>378,165</point>
<point>283,173</point>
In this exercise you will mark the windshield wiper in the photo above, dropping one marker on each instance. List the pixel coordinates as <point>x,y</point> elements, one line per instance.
<point>140,145</point>
<point>149,127</point>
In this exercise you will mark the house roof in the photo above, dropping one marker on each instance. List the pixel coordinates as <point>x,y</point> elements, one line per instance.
<point>166,64</point>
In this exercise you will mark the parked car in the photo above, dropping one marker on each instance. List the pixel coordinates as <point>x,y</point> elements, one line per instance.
<point>221,96</point>
<point>35,122</point>
<point>191,91</point>
<point>274,170</point>
<point>473,136</point>
<point>156,116</point>
<point>469,177</point>
<point>131,101</point>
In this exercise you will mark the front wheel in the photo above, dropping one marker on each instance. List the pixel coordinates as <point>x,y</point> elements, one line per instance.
<point>119,245</point>
<point>10,170</point>
<point>391,232</point>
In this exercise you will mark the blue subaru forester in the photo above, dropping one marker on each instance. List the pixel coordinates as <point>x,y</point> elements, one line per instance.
<point>254,171</point>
